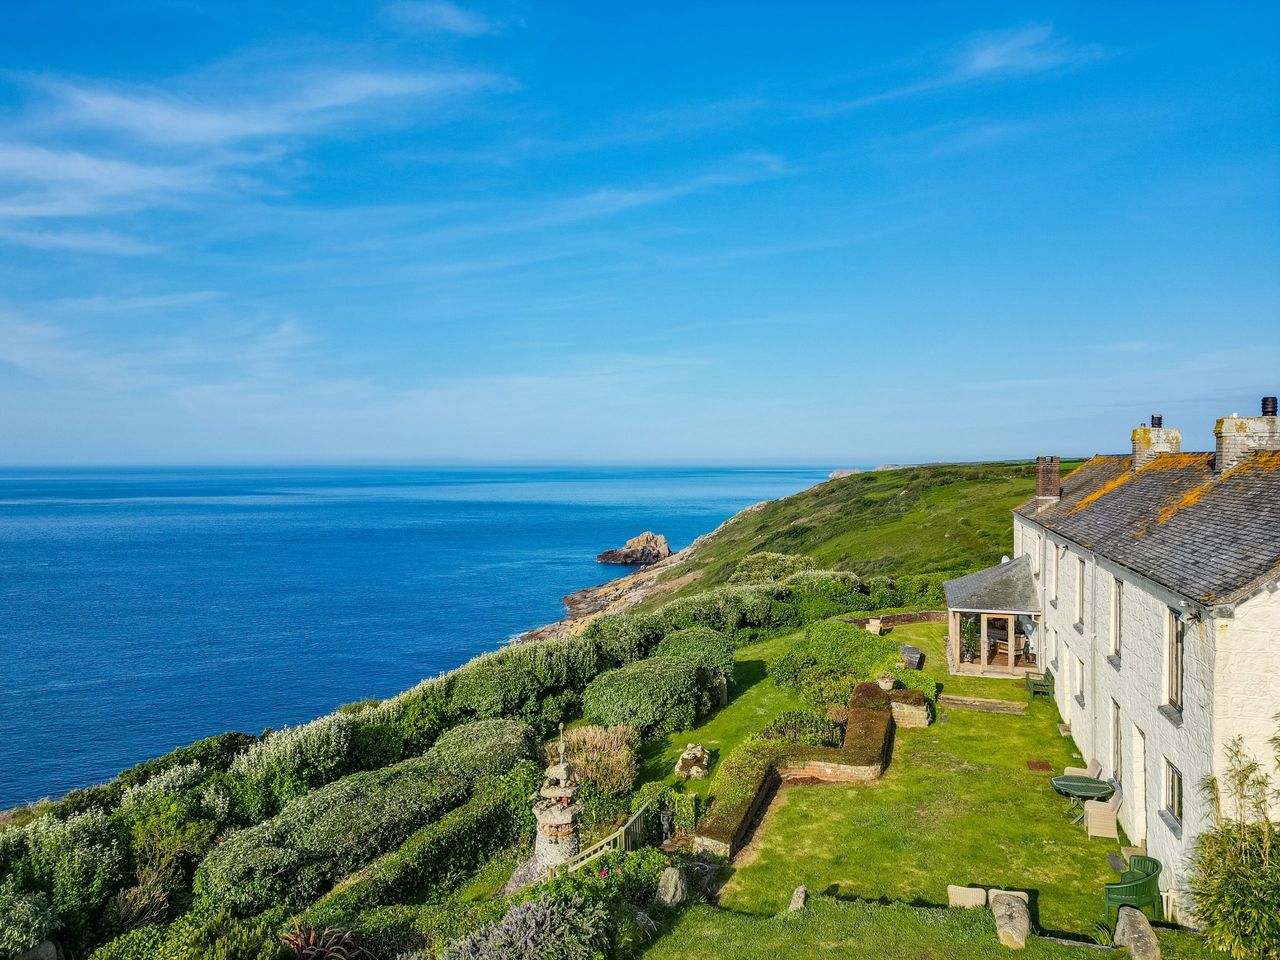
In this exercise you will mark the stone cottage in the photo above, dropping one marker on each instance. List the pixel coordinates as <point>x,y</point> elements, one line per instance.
<point>1148,584</point>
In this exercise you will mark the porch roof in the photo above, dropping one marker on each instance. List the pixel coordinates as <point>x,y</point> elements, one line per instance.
<point>1004,588</point>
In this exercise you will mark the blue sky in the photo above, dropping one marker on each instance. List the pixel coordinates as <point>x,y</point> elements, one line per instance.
<point>712,233</point>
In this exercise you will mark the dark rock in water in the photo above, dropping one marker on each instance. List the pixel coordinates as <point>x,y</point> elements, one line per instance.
<point>644,549</point>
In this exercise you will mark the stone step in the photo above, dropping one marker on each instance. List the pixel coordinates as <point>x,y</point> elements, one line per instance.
<point>981,703</point>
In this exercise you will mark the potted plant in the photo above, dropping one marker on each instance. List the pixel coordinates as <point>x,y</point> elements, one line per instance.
<point>968,640</point>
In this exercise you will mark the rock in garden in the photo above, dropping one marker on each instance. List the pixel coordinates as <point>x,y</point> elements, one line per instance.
<point>1133,930</point>
<point>798,898</point>
<point>968,898</point>
<point>645,549</point>
<point>44,951</point>
<point>1013,920</point>
<point>694,762</point>
<point>673,888</point>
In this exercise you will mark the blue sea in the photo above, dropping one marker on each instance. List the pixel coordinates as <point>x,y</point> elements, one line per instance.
<point>143,609</point>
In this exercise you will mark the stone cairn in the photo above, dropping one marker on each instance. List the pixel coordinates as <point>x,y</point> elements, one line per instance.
<point>556,811</point>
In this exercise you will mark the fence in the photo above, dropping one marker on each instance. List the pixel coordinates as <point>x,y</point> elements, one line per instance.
<point>632,835</point>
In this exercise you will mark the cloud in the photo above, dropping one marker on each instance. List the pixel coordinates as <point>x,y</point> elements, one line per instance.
<point>437,16</point>
<point>78,241</point>
<point>1026,50</point>
<point>308,101</point>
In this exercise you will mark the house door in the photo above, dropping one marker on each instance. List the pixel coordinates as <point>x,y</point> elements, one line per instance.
<point>1138,787</point>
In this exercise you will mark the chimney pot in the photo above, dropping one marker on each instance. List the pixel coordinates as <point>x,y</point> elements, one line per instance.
<point>1268,406</point>
<point>1157,420</point>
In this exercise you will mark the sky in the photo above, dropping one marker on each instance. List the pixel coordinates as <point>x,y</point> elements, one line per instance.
<point>716,233</point>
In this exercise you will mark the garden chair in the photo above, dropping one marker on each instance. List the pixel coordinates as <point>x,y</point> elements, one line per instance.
<point>1100,817</point>
<point>1138,887</point>
<point>1040,685</point>
<point>1092,770</point>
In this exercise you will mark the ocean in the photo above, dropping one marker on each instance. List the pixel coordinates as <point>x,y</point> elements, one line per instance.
<point>143,609</point>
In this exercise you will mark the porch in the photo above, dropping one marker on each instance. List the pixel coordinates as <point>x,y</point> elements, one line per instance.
<point>993,619</point>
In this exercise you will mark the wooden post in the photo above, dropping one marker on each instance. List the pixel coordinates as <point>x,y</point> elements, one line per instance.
<point>982,645</point>
<point>1012,622</point>
<point>953,628</point>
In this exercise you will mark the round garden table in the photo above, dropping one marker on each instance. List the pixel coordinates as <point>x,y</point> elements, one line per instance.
<point>1079,789</point>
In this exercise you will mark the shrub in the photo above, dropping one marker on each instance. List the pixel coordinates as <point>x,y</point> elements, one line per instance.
<point>683,807</point>
<point>918,680</point>
<point>866,735</point>
<point>481,748</point>
<point>605,756</point>
<point>728,609</point>
<point>417,716</point>
<point>923,589</point>
<point>655,696</point>
<point>513,681</point>
<point>326,834</point>
<point>26,919</point>
<point>831,659</point>
<point>614,881</point>
<point>212,753</point>
<point>797,726</point>
<point>452,847</point>
<point>757,567</point>
<point>222,937</point>
<point>869,696</point>
<point>1235,872</point>
<point>289,762</point>
<point>623,638</point>
<point>707,649</point>
<point>76,864</point>
<point>549,928</point>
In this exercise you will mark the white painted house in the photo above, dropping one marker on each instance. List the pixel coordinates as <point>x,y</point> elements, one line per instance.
<point>1149,586</point>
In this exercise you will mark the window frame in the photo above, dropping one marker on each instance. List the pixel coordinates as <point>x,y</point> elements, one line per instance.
<point>1117,744</point>
<point>1080,581</point>
<point>1117,616</point>
<point>1172,803</point>
<point>1175,661</point>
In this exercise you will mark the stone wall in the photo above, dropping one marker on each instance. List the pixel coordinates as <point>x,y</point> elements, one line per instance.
<point>890,620</point>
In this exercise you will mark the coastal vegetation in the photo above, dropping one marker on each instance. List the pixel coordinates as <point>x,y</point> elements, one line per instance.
<point>388,829</point>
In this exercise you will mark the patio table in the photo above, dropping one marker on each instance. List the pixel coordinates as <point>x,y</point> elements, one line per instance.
<point>1078,790</point>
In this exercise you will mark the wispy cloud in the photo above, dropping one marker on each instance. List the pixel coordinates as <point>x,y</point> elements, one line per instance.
<point>1031,49</point>
<point>78,241</point>
<point>305,102</point>
<point>437,16</point>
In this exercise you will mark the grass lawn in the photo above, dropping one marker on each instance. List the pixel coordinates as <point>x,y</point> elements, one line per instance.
<point>932,639</point>
<point>854,931</point>
<point>754,701</point>
<point>957,805</point>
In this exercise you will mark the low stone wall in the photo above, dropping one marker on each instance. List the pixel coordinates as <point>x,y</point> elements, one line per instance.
<point>829,771</point>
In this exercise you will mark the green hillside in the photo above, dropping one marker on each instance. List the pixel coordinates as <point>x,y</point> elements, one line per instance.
<point>946,518</point>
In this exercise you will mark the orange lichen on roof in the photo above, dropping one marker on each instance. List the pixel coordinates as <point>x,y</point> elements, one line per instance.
<point>1177,461</point>
<point>1262,460</point>
<point>1119,480</point>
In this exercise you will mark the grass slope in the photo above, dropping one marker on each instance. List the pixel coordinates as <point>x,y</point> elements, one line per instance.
<point>910,520</point>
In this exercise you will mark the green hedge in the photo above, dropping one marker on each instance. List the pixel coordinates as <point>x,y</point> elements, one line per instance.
<point>325,835</point>
<point>740,777</point>
<point>520,680</point>
<point>481,748</point>
<point>831,659</point>
<point>707,649</point>
<point>656,696</point>
<point>800,726</point>
<point>452,847</point>
<point>762,566</point>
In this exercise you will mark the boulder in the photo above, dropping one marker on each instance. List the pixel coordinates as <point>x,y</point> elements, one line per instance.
<point>969,898</point>
<point>1133,931</point>
<point>799,896</point>
<point>1013,919</point>
<point>673,887</point>
<point>643,550</point>
<point>694,762</point>
<point>43,951</point>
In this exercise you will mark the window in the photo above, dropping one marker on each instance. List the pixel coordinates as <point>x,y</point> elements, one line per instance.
<point>1174,671</point>
<point>1035,556</point>
<point>1055,646</point>
<point>1080,591</point>
<point>1053,580</point>
<point>1117,751</point>
<point>1117,616</point>
<point>1173,792</point>
<point>1080,680</point>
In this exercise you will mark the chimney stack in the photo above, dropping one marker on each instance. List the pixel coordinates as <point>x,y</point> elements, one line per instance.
<point>1240,437</point>
<point>1048,478</point>
<point>1150,442</point>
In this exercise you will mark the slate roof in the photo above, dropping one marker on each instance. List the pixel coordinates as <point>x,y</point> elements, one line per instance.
<point>1004,588</point>
<point>1211,538</point>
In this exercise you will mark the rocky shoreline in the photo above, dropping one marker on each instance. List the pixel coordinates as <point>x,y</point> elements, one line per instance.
<point>614,596</point>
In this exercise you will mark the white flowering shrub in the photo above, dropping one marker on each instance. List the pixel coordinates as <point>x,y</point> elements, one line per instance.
<point>26,919</point>
<point>139,800</point>
<point>291,761</point>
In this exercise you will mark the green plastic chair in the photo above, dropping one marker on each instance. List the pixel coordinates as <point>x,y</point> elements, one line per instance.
<point>1039,685</point>
<point>1139,886</point>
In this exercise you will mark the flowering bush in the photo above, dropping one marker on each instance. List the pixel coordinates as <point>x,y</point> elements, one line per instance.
<point>26,919</point>
<point>291,761</point>
<point>549,928</point>
<point>758,567</point>
<point>655,696</point>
